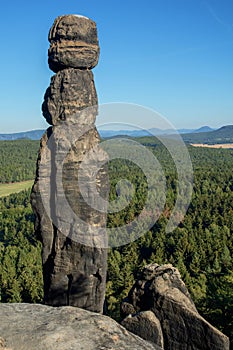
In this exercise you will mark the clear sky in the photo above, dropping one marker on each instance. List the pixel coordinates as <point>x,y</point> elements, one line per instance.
<point>175,56</point>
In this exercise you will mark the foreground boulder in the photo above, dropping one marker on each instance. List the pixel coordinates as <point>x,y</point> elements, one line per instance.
<point>160,309</point>
<point>41,327</point>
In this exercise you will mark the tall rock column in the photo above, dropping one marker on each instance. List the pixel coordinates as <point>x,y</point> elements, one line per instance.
<point>71,172</point>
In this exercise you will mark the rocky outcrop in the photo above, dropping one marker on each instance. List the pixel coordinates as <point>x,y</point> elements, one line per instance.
<point>41,327</point>
<point>146,325</point>
<point>172,321</point>
<point>71,173</point>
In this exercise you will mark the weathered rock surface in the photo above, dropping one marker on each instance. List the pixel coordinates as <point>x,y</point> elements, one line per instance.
<point>71,175</point>
<point>177,323</point>
<point>70,91</point>
<point>146,325</point>
<point>74,265</point>
<point>2,345</point>
<point>41,327</point>
<point>73,43</point>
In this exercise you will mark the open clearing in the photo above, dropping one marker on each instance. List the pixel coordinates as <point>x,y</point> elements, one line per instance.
<point>222,145</point>
<point>7,189</point>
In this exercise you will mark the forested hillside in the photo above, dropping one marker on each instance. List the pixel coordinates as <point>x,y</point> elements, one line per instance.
<point>219,136</point>
<point>20,258</point>
<point>201,247</point>
<point>18,160</point>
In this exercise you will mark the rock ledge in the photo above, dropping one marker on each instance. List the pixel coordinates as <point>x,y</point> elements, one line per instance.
<point>42,327</point>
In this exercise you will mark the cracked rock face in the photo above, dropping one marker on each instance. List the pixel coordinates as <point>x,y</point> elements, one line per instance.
<point>175,323</point>
<point>71,174</point>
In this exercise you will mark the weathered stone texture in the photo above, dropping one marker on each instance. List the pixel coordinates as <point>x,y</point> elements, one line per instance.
<point>41,327</point>
<point>146,325</point>
<point>2,345</point>
<point>65,195</point>
<point>178,324</point>
<point>74,274</point>
<point>73,43</point>
<point>70,91</point>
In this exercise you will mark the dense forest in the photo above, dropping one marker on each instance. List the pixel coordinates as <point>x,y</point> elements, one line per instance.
<point>201,247</point>
<point>18,160</point>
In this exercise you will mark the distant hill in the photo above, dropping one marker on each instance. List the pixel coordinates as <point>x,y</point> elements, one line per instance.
<point>222,135</point>
<point>204,134</point>
<point>30,135</point>
<point>36,134</point>
<point>204,129</point>
<point>132,133</point>
<point>151,132</point>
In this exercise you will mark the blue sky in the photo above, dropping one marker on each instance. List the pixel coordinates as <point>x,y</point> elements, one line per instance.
<point>174,56</point>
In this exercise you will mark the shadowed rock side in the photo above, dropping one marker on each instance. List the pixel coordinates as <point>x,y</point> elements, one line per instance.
<point>41,327</point>
<point>160,309</point>
<point>71,174</point>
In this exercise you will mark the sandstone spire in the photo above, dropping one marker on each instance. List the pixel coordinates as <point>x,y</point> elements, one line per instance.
<point>69,222</point>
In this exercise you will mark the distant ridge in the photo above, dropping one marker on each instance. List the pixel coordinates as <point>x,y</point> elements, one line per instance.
<point>151,132</point>
<point>222,135</point>
<point>30,135</point>
<point>205,134</point>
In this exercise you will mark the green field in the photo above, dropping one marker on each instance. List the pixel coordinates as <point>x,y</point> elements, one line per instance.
<point>7,189</point>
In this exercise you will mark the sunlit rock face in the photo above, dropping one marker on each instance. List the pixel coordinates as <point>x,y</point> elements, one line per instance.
<point>42,327</point>
<point>71,229</point>
<point>159,309</point>
<point>73,43</point>
<point>71,90</point>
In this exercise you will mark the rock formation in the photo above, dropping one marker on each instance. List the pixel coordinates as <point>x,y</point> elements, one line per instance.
<point>42,327</point>
<point>160,309</point>
<point>71,229</point>
<point>73,43</point>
